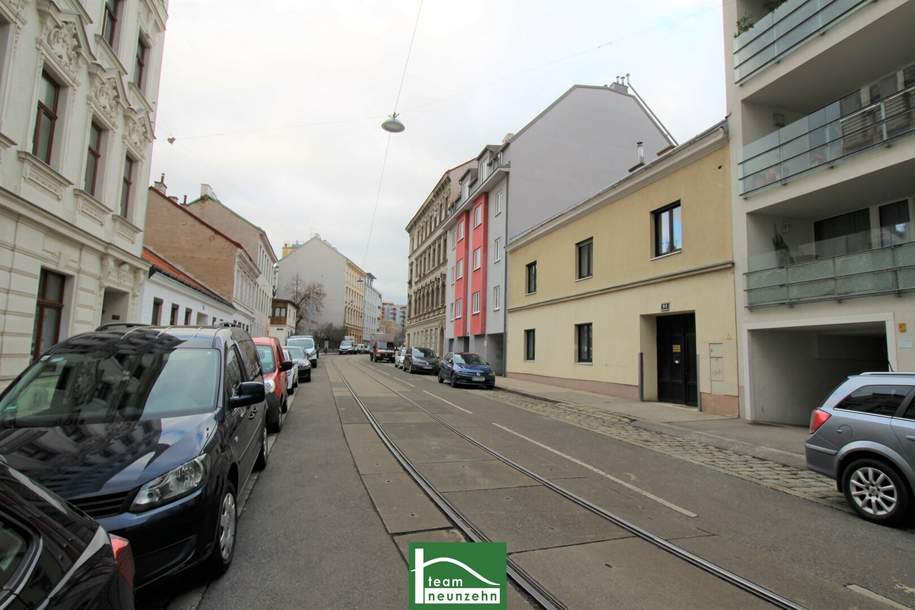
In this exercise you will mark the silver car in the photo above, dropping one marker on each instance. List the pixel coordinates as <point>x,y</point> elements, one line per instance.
<point>864,437</point>
<point>398,357</point>
<point>300,359</point>
<point>306,342</point>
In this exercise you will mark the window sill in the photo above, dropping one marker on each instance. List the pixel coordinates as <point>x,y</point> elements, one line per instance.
<point>669,254</point>
<point>527,294</point>
<point>584,363</point>
<point>497,308</point>
<point>582,279</point>
<point>40,173</point>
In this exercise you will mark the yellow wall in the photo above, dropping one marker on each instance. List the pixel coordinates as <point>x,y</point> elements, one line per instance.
<point>623,316</point>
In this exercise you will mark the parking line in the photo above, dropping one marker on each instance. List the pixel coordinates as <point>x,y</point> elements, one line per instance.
<point>587,466</point>
<point>876,597</point>
<point>448,402</point>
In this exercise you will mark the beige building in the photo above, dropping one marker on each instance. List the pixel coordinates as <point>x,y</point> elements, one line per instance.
<point>821,106</point>
<point>282,319</point>
<point>354,300</point>
<point>428,260</point>
<point>631,292</point>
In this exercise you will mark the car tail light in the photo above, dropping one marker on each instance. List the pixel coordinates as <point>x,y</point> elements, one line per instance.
<point>123,556</point>
<point>817,419</point>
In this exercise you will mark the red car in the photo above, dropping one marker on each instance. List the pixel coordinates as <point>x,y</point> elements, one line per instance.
<point>383,351</point>
<point>274,367</point>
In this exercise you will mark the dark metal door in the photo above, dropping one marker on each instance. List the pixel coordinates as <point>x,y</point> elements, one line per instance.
<point>677,359</point>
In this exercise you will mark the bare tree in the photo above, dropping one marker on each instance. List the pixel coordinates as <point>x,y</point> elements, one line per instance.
<point>308,299</point>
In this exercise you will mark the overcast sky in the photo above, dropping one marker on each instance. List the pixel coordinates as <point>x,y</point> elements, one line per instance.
<point>277,104</point>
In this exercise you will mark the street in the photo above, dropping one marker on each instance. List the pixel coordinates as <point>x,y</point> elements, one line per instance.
<point>327,524</point>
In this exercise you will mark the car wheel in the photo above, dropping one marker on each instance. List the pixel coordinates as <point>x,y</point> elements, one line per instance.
<point>308,377</point>
<point>276,419</point>
<point>876,491</point>
<point>451,381</point>
<point>314,363</point>
<point>226,528</point>
<point>261,462</point>
<point>440,380</point>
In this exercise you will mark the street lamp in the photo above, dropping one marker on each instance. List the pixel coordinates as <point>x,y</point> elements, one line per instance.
<point>392,124</point>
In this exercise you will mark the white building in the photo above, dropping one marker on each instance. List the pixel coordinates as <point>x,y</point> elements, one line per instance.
<point>821,100</point>
<point>78,88</point>
<point>371,310</point>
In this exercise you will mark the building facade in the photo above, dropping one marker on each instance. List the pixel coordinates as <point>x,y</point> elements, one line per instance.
<point>821,99</point>
<point>173,296</point>
<point>371,318</point>
<point>583,141</point>
<point>426,279</point>
<point>221,263</point>
<point>78,89</point>
<point>625,294</point>
<point>254,239</point>
<point>282,319</point>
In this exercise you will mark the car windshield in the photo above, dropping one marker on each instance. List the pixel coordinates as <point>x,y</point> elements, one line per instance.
<point>296,352</point>
<point>104,387</point>
<point>265,355</point>
<point>468,359</point>
<point>385,345</point>
<point>423,352</point>
<point>346,344</point>
<point>303,342</point>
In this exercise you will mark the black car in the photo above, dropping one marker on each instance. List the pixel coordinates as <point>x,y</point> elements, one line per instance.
<point>53,556</point>
<point>151,431</point>
<point>420,360</point>
<point>466,368</point>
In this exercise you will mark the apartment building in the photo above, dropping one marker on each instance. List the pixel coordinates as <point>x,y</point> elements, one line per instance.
<point>78,88</point>
<point>581,142</point>
<point>203,251</point>
<point>625,294</point>
<point>426,278</point>
<point>371,315</point>
<point>821,98</point>
<point>283,317</point>
<point>254,239</point>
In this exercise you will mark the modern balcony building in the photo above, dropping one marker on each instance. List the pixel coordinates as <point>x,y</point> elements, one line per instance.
<point>821,99</point>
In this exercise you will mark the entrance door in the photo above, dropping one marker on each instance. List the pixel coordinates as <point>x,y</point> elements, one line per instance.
<point>677,359</point>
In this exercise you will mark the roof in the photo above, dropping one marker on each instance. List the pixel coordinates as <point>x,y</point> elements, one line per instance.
<point>326,244</point>
<point>162,265</point>
<point>263,233</point>
<point>444,175</point>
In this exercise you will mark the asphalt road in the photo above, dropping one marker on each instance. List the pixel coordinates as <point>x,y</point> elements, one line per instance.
<point>326,524</point>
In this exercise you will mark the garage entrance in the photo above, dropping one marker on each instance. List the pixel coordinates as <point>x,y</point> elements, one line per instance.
<point>677,359</point>
<point>791,370</point>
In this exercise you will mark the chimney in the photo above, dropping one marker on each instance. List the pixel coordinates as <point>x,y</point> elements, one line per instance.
<point>207,191</point>
<point>508,138</point>
<point>185,200</point>
<point>619,85</point>
<point>640,155</point>
<point>160,186</point>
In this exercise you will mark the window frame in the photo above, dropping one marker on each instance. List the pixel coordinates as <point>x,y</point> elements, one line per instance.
<point>460,231</point>
<point>477,258</point>
<point>458,309</point>
<point>95,155</point>
<point>459,269</point>
<point>127,180</point>
<point>157,311</point>
<point>475,303</point>
<point>497,247</point>
<point>586,357</point>
<point>43,302</point>
<point>478,215</point>
<point>585,243</point>
<point>658,222</point>
<point>496,298</point>
<point>111,14</point>
<point>530,277</point>
<point>51,114</point>
<point>900,408</point>
<point>500,202</point>
<point>530,344</point>
<point>141,61</point>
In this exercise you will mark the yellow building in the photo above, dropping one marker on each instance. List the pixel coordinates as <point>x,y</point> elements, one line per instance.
<point>631,292</point>
<point>354,300</point>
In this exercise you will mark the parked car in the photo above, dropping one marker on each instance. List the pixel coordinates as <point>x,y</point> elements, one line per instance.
<point>465,368</point>
<point>398,357</point>
<point>362,348</point>
<point>346,348</point>
<point>300,357</point>
<point>420,360</point>
<point>863,436</point>
<point>275,368</point>
<point>383,351</point>
<point>151,431</point>
<point>54,556</point>
<point>306,342</point>
<point>292,377</point>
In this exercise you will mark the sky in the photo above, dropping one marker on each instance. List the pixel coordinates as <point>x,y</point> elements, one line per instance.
<point>278,104</point>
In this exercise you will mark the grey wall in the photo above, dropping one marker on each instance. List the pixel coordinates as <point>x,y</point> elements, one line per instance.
<point>315,261</point>
<point>586,142</point>
<point>495,272</point>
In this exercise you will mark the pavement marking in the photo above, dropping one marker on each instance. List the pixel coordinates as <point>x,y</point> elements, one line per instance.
<point>587,466</point>
<point>448,402</point>
<point>876,597</point>
<point>393,377</point>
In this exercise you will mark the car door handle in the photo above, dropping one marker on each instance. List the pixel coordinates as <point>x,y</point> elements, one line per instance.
<point>252,413</point>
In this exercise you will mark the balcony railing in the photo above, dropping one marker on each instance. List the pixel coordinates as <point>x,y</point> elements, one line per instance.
<point>824,138</point>
<point>777,33</point>
<point>833,269</point>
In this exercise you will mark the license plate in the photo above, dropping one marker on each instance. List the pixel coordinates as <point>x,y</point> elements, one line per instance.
<point>478,378</point>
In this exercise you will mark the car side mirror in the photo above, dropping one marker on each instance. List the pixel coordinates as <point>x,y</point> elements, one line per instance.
<point>286,365</point>
<point>248,393</point>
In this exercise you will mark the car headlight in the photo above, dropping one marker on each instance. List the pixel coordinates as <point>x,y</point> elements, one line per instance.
<point>269,386</point>
<point>172,485</point>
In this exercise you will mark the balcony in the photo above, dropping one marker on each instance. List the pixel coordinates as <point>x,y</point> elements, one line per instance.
<point>780,31</point>
<point>873,115</point>
<point>834,269</point>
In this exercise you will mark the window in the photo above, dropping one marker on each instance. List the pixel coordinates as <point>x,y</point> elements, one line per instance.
<point>500,202</point>
<point>583,342</point>
<point>496,298</point>
<point>14,550</point>
<point>584,251</point>
<point>475,303</point>
<point>48,311</point>
<point>460,269</point>
<point>531,279</point>
<point>156,312</point>
<point>478,216</point>
<point>93,158</point>
<point>139,69</point>
<point>466,189</point>
<point>46,118</point>
<point>127,186</point>
<point>529,343</point>
<point>187,317</point>
<point>459,308</point>
<point>233,372</point>
<point>460,230</point>
<point>843,234</point>
<point>497,246</point>
<point>668,230</point>
<point>876,399</point>
<point>477,256</point>
<point>894,223</point>
<point>451,311</point>
<point>173,317</point>
<point>110,21</point>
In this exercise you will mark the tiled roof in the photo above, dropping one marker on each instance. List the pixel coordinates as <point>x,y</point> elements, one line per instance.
<point>163,266</point>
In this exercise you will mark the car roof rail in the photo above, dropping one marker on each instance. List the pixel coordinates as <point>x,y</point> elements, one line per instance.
<point>124,325</point>
<point>887,373</point>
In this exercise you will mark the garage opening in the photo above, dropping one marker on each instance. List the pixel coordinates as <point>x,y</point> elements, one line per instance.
<point>793,369</point>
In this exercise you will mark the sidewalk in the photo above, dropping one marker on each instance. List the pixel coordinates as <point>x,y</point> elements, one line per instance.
<point>781,444</point>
